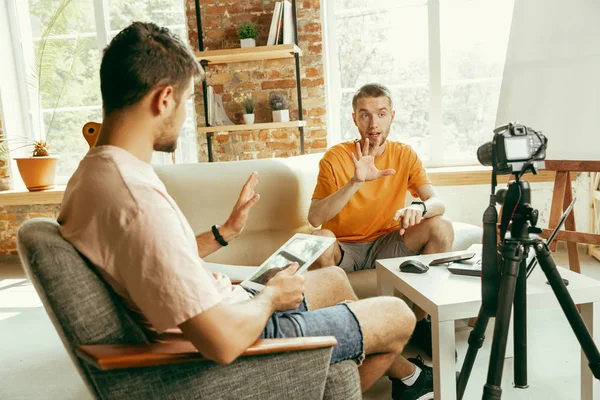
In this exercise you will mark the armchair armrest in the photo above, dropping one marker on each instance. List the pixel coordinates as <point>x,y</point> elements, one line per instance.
<point>117,356</point>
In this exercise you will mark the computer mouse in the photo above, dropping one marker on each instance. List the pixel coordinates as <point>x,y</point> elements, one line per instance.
<point>413,267</point>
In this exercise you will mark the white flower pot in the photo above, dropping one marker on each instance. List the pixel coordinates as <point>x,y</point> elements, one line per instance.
<point>247,43</point>
<point>281,115</point>
<point>249,119</point>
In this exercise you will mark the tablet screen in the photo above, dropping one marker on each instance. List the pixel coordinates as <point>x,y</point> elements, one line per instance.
<point>301,248</point>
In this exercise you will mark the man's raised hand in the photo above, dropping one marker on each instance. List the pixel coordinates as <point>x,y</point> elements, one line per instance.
<point>364,163</point>
<point>247,199</point>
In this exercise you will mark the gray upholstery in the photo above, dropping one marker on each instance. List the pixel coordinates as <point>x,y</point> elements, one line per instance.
<point>85,311</point>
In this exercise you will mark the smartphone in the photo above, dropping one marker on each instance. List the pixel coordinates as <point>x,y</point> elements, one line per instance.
<point>458,257</point>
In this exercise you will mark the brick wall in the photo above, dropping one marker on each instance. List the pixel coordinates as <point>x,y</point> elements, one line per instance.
<point>11,217</point>
<point>259,78</point>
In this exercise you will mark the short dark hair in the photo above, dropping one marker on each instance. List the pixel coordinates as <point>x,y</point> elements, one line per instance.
<point>140,58</point>
<point>372,90</point>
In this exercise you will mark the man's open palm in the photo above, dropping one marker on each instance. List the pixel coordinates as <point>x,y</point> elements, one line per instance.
<point>364,163</point>
<point>241,210</point>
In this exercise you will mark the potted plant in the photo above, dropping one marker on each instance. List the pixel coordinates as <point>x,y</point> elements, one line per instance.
<point>38,170</point>
<point>247,103</point>
<point>279,107</point>
<point>247,32</point>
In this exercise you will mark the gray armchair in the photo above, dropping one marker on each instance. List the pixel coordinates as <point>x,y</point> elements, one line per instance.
<point>115,359</point>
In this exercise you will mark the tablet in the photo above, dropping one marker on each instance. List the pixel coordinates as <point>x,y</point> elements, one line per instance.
<point>301,248</point>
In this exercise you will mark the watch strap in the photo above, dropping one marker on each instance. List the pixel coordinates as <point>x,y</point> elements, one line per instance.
<point>423,204</point>
<point>218,237</point>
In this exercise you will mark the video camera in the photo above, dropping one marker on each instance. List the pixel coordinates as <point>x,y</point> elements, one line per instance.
<point>515,149</point>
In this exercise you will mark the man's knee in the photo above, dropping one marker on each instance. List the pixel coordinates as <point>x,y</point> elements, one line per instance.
<point>334,274</point>
<point>441,229</point>
<point>331,256</point>
<point>323,232</point>
<point>399,317</point>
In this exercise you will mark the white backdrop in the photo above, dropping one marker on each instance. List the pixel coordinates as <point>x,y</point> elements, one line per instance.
<point>552,75</point>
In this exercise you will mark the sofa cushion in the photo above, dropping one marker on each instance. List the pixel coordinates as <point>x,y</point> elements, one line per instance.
<point>465,235</point>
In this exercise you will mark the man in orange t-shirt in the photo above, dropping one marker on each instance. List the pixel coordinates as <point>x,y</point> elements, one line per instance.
<point>361,191</point>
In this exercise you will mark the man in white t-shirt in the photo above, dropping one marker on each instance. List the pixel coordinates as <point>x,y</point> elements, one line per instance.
<point>117,213</point>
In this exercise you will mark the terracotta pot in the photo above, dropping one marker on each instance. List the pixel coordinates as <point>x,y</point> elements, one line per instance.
<point>38,173</point>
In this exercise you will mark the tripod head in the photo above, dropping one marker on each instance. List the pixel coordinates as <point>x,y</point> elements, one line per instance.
<point>519,218</point>
<point>517,213</point>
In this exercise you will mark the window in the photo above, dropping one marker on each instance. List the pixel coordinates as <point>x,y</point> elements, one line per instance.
<point>69,83</point>
<point>442,60</point>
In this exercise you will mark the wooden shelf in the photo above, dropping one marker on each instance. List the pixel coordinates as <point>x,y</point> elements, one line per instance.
<point>247,127</point>
<point>248,54</point>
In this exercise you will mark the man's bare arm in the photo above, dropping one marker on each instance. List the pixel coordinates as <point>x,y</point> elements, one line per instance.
<point>207,244</point>
<point>225,331</point>
<point>322,210</point>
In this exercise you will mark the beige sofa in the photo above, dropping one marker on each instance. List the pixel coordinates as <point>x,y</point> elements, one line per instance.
<point>206,193</point>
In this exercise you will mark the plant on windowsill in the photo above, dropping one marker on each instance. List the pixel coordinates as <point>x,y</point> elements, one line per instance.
<point>38,171</point>
<point>247,103</point>
<point>247,32</point>
<point>279,105</point>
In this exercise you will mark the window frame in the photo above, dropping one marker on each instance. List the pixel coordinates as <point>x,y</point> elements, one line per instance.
<point>23,116</point>
<point>334,91</point>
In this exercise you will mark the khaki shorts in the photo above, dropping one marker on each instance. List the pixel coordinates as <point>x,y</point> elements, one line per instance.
<point>358,256</point>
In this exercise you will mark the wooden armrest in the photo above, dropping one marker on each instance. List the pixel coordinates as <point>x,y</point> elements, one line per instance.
<point>116,356</point>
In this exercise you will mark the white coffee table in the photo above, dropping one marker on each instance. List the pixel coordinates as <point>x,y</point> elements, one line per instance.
<point>448,297</point>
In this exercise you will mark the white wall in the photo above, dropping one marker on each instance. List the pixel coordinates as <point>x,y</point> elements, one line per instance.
<point>552,75</point>
<point>467,203</point>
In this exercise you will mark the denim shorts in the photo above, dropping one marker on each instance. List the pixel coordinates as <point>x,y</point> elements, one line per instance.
<point>362,255</point>
<point>338,321</point>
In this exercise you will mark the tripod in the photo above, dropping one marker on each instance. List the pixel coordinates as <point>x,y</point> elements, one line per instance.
<point>513,253</point>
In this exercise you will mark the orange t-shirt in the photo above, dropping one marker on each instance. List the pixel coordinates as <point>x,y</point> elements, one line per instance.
<point>370,212</point>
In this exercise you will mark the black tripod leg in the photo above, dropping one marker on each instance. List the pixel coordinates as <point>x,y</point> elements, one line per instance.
<point>520,327</point>
<point>476,338</point>
<point>568,306</point>
<point>512,254</point>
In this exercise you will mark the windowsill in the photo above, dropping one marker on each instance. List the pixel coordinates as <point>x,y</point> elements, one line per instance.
<point>443,176</point>
<point>17,197</point>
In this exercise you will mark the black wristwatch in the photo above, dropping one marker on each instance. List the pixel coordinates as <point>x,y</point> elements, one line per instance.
<point>218,237</point>
<point>423,204</point>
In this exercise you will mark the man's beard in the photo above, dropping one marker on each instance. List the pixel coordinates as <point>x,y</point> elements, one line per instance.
<point>382,138</point>
<point>167,139</point>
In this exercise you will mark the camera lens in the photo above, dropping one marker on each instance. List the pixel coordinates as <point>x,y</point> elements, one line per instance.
<point>484,154</point>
